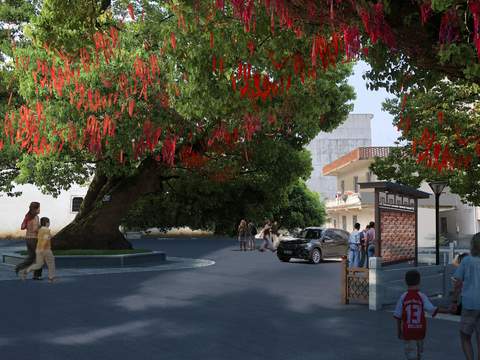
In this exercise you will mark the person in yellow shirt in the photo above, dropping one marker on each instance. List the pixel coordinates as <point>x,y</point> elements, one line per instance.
<point>43,251</point>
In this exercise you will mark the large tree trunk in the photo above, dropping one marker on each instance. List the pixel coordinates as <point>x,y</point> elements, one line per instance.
<point>107,202</point>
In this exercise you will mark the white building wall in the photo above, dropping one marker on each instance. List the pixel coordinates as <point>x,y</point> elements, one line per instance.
<point>426,227</point>
<point>326,147</point>
<point>364,216</point>
<point>462,219</point>
<point>59,210</point>
<point>362,173</point>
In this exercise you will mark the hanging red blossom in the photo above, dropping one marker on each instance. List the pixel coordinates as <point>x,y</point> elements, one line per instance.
<point>425,11</point>
<point>131,11</point>
<point>440,117</point>
<point>131,107</point>
<point>251,47</point>
<point>168,150</point>
<point>173,40</point>
<point>449,27</point>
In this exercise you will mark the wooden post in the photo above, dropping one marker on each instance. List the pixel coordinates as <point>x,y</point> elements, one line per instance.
<point>344,281</point>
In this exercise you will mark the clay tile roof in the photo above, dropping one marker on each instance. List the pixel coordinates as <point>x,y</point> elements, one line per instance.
<point>361,153</point>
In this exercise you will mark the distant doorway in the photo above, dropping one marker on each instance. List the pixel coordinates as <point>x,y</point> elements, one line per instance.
<point>443,225</point>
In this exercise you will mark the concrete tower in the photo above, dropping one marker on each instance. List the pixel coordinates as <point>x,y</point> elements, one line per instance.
<point>326,147</point>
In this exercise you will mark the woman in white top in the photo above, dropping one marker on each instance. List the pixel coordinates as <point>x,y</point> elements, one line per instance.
<point>31,224</point>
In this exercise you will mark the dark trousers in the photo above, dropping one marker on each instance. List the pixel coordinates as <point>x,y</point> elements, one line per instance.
<point>30,259</point>
<point>363,257</point>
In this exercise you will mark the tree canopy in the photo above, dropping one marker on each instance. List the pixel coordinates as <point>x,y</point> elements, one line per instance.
<point>194,202</point>
<point>145,93</point>
<point>157,90</point>
<point>439,139</point>
<point>100,91</point>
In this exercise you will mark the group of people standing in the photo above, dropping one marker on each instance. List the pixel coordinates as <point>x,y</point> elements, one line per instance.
<point>246,235</point>
<point>361,245</point>
<point>247,232</point>
<point>39,250</point>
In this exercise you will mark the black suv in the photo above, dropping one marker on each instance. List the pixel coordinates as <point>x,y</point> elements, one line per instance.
<point>314,244</point>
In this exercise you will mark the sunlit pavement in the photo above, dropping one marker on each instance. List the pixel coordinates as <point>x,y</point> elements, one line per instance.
<point>248,305</point>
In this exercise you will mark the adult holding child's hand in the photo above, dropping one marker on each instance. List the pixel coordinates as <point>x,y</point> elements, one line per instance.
<point>31,223</point>
<point>467,282</point>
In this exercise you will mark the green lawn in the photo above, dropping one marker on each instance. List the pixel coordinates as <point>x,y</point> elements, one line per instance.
<point>81,252</point>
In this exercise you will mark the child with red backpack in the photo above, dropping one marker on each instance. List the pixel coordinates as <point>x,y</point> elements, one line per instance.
<point>410,315</point>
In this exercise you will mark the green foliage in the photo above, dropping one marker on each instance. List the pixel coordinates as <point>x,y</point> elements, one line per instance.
<point>14,14</point>
<point>303,208</point>
<point>199,98</point>
<point>441,5</point>
<point>200,203</point>
<point>458,102</point>
<point>51,173</point>
<point>260,176</point>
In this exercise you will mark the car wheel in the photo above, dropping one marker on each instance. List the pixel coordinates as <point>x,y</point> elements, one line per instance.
<point>284,258</point>
<point>316,256</point>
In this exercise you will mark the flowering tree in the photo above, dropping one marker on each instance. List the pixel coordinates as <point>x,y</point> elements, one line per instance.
<point>140,93</point>
<point>439,139</point>
<point>412,46</point>
<point>426,53</point>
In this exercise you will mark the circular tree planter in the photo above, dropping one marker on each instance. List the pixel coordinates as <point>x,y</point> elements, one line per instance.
<point>82,259</point>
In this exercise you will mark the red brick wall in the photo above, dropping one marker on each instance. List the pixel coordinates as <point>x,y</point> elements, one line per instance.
<point>397,236</point>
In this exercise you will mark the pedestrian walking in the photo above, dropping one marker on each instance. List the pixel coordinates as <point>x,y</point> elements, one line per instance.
<point>251,231</point>
<point>31,224</point>
<point>458,298</point>
<point>275,235</point>
<point>354,247</point>
<point>467,282</point>
<point>43,252</point>
<point>410,316</point>
<point>267,237</point>
<point>242,235</point>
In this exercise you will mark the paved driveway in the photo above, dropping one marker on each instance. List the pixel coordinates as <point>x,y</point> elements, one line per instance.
<point>246,306</point>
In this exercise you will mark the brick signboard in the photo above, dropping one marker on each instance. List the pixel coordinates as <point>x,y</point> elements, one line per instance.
<point>395,221</point>
<point>398,230</point>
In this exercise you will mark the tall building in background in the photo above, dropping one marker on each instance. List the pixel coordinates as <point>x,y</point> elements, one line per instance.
<point>326,147</point>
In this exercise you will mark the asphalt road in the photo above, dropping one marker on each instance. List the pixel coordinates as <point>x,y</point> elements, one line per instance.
<point>246,306</point>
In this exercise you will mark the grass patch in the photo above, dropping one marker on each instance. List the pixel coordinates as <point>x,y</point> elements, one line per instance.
<point>82,252</point>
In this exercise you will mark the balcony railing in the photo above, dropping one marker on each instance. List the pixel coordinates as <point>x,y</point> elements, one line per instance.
<point>373,152</point>
<point>344,200</point>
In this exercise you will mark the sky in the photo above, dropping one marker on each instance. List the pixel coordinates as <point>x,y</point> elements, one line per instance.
<point>367,101</point>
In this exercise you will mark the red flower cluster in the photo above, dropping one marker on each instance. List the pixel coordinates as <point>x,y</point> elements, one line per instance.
<point>102,107</point>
